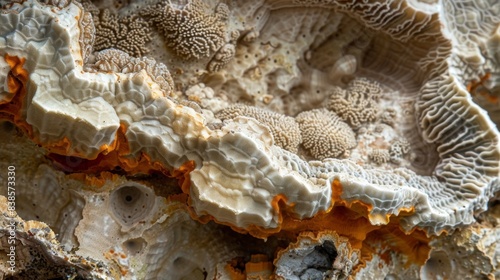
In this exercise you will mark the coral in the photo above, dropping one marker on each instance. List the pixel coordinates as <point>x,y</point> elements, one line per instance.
<point>471,251</point>
<point>398,149</point>
<point>380,156</point>
<point>345,66</point>
<point>388,116</point>
<point>31,248</point>
<point>222,57</point>
<point>358,103</point>
<point>112,60</point>
<point>285,130</point>
<point>62,214</point>
<point>192,31</point>
<point>129,34</point>
<point>366,148</point>
<point>131,204</point>
<point>324,134</point>
<point>87,37</point>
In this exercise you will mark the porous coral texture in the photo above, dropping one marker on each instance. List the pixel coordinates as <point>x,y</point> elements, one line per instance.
<point>285,130</point>
<point>30,250</point>
<point>113,60</point>
<point>358,103</point>
<point>256,139</point>
<point>192,30</point>
<point>325,135</point>
<point>129,34</point>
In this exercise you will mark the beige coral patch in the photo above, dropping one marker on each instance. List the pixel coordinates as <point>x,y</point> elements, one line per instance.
<point>324,134</point>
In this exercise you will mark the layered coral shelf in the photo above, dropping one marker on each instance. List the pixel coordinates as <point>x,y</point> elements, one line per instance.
<point>249,139</point>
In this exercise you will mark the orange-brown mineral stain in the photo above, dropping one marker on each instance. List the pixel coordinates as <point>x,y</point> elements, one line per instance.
<point>107,164</point>
<point>347,219</point>
<point>414,244</point>
<point>182,175</point>
<point>258,268</point>
<point>17,78</point>
<point>115,256</point>
<point>478,88</point>
<point>63,147</point>
<point>235,269</point>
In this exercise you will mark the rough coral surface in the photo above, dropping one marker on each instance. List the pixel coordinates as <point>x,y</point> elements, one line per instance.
<point>112,60</point>
<point>358,103</point>
<point>325,134</point>
<point>129,34</point>
<point>192,31</point>
<point>284,129</point>
<point>257,139</point>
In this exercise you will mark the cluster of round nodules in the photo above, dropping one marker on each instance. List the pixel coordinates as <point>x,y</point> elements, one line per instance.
<point>131,204</point>
<point>325,135</point>
<point>325,132</point>
<point>193,32</point>
<point>107,29</point>
<point>285,130</point>
<point>358,103</point>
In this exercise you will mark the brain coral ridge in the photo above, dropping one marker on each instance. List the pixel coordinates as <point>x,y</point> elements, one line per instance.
<point>248,173</point>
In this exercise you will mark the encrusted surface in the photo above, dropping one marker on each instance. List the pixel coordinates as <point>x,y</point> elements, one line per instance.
<point>145,134</point>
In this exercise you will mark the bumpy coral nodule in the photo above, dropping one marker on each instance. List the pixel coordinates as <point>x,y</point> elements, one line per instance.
<point>129,34</point>
<point>271,139</point>
<point>284,129</point>
<point>192,31</point>
<point>325,134</point>
<point>358,103</point>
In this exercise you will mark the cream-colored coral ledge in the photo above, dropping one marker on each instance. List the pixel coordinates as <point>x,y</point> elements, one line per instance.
<point>238,169</point>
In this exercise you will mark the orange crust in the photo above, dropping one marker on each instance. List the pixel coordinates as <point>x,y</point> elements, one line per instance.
<point>96,172</point>
<point>17,79</point>
<point>17,76</point>
<point>117,159</point>
<point>347,219</point>
<point>478,88</point>
<point>234,269</point>
<point>258,268</point>
<point>414,244</point>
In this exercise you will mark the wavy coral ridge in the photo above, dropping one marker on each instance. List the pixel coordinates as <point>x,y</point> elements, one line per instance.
<point>422,163</point>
